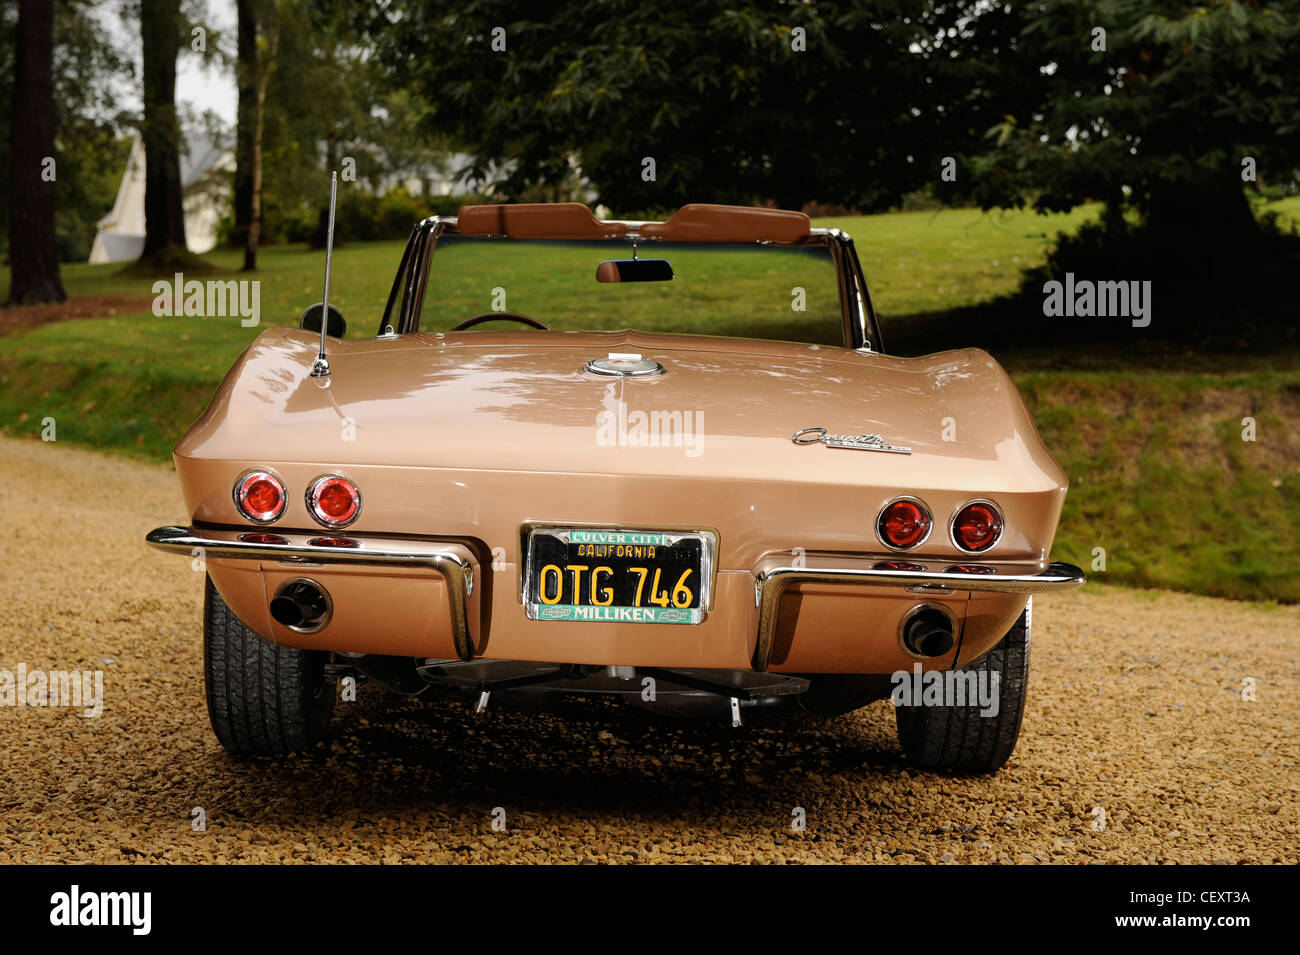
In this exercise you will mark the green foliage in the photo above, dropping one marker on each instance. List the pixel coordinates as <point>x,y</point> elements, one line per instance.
<point>361,216</point>
<point>714,92</point>
<point>91,162</point>
<point>328,100</point>
<point>1161,118</point>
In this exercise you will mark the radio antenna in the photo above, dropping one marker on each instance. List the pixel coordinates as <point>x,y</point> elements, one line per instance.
<point>321,367</point>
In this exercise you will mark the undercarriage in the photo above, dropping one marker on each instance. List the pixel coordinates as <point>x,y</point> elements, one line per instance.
<point>704,693</point>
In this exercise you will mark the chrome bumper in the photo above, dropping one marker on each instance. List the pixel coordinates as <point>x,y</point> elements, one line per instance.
<point>454,568</point>
<point>773,577</point>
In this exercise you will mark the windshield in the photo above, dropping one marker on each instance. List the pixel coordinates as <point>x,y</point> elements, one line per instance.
<point>775,292</point>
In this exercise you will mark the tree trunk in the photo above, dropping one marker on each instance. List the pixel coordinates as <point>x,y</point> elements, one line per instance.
<point>164,210</point>
<point>1216,213</point>
<point>271,31</point>
<point>33,256</point>
<point>246,77</point>
<point>1201,236</point>
<point>322,221</point>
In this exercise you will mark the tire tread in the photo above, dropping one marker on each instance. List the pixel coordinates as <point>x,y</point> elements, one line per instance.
<point>958,739</point>
<point>263,699</point>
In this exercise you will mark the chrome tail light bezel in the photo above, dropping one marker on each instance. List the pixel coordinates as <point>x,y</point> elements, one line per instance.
<point>1001,525</point>
<point>312,497</point>
<point>925,509</point>
<point>239,494</point>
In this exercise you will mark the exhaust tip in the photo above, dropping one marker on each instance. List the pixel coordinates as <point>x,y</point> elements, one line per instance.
<point>928,631</point>
<point>302,605</point>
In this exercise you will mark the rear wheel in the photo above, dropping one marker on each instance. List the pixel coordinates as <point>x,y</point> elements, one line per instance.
<point>959,738</point>
<point>263,699</point>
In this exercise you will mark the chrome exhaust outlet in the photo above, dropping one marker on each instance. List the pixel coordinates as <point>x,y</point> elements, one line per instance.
<point>928,631</point>
<point>302,605</point>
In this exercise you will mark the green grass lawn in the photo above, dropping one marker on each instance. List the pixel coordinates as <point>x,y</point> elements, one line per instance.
<point>922,262</point>
<point>1161,477</point>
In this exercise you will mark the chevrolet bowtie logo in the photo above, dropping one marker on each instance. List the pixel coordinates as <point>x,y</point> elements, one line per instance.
<point>855,442</point>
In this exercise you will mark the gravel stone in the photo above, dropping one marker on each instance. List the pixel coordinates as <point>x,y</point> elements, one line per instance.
<point>1135,706</point>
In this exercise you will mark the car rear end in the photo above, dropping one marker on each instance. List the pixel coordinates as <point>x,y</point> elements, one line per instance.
<point>496,501</point>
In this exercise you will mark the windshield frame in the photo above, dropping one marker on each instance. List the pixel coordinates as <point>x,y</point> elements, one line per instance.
<point>860,326</point>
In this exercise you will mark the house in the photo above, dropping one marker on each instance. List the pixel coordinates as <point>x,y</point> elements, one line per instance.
<point>436,175</point>
<point>205,183</point>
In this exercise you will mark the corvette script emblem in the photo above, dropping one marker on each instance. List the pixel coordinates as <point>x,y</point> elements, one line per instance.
<point>856,442</point>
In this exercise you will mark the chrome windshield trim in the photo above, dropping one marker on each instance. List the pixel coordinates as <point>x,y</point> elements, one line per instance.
<point>772,581</point>
<point>862,327</point>
<point>458,572</point>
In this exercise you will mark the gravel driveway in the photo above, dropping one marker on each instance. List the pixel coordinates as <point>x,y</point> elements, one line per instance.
<point>1136,707</point>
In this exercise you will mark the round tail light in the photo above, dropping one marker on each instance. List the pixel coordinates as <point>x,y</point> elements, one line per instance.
<point>260,496</point>
<point>333,501</point>
<point>903,524</point>
<point>976,527</point>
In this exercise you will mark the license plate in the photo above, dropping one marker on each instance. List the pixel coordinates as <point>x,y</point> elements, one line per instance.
<point>618,576</point>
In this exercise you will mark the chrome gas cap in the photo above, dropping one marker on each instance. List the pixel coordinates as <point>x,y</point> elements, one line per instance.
<point>624,365</point>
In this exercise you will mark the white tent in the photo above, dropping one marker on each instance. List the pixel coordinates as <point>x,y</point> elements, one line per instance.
<point>206,189</point>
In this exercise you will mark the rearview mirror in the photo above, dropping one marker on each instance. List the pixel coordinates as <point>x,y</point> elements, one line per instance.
<point>634,270</point>
<point>310,320</point>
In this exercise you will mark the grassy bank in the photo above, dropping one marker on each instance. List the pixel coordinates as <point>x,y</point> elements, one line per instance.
<point>1161,477</point>
<point>1163,481</point>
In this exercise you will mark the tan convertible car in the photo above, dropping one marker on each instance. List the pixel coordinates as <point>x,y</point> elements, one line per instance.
<point>509,493</point>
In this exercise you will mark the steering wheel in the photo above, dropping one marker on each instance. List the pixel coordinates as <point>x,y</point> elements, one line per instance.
<point>494,316</point>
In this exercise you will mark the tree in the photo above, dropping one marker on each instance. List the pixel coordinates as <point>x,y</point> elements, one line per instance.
<point>324,107</point>
<point>34,262</point>
<point>164,213</point>
<point>246,81</point>
<point>1149,105</point>
<point>259,38</point>
<point>309,81</point>
<point>733,100</point>
<point>90,147</point>
<point>91,138</point>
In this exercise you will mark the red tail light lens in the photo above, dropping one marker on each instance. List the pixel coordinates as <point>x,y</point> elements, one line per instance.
<point>896,565</point>
<point>260,496</point>
<point>903,524</point>
<point>333,542</point>
<point>333,501</point>
<point>977,527</point>
<point>263,539</point>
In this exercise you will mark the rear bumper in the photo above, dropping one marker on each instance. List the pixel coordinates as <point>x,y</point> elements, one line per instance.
<point>454,563</point>
<point>814,614</point>
<point>774,577</point>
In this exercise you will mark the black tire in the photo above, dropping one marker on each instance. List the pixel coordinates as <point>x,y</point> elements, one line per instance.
<point>957,739</point>
<point>263,699</point>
